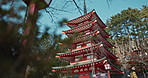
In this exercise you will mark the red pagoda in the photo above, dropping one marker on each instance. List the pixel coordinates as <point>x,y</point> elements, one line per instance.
<point>90,56</point>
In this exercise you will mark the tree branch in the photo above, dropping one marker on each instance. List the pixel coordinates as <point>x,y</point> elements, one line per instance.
<point>79,9</point>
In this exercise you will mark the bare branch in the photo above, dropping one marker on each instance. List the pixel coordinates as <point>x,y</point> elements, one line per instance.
<point>66,3</point>
<point>108,2</point>
<point>77,7</point>
<point>51,15</point>
<point>57,9</point>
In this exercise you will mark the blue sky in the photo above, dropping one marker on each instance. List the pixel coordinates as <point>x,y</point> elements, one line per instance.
<point>104,10</point>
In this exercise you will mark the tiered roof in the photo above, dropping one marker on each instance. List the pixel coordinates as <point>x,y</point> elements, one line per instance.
<point>85,67</point>
<point>88,49</point>
<point>82,19</point>
<point>94,25</point>
<point>97,34</point>
<point>80,51</point>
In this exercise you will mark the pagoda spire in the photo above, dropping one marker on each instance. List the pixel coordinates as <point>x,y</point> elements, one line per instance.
<point>85,10</point>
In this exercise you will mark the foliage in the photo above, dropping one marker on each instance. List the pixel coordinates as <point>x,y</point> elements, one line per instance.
<point>19,62</point>
<point>130,22</point>
<point>10,42</point>
<point>36,60</point>
<point>129,32</point>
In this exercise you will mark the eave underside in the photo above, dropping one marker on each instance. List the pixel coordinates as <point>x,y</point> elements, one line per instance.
<point>91,15</point>
<point>80,51</point>
<point>99,49</point>
<point>98,37</point>
<point>97,66</point>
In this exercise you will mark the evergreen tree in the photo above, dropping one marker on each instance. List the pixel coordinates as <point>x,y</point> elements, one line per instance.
<point>129,32</point>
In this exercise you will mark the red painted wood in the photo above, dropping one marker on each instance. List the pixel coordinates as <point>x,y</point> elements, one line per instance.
<point>77,26</point>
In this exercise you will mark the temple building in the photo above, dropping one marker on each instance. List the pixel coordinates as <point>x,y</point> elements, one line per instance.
<point>90,56</point>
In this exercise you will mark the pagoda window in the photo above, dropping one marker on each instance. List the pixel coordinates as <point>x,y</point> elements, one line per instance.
<point>88,44</point>
<point>89,56</point>
<point>79,46</point>
<point>77,59</point>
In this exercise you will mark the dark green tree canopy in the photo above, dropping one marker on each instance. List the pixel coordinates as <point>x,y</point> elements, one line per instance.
<point>130,22</point>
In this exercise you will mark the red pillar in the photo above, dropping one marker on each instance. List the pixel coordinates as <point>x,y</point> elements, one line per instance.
<point>108,73</point>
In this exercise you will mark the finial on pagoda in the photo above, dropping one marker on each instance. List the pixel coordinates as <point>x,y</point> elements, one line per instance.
<point>85,10</point>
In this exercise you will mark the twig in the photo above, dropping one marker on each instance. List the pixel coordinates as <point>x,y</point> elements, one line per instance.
<point>66,4</point>
<point>50,14</point>
<point>77,7</point>
<point>57,9</point>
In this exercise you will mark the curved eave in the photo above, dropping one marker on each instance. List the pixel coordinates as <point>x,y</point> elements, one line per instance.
<point>79,51</point>
<point>100,61</point>
<point>90,36</point>
<point>103,32</point>
<point>80,28</point>
<point>106,42</point>
<point>97,63</point>
<point>91,15</point>
<point>75,22</point>
<point>92,25</point>
<point>109,54</point>
<point>115,70</point>
<point>85,37</point>
<point>99,20</point>
<point>112,70</point>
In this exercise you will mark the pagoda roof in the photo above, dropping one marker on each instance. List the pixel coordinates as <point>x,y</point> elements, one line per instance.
<point>85,37</point>
<point>78,51</point>
<point>97,63</point>
<point>87,50</point>
<point>102,59</point>
<point>90,36</point>
<point>80,28</point>
<point>89,16</point>
<point>104,41</point>
<point>93,24</point>
<point>106,53</point>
